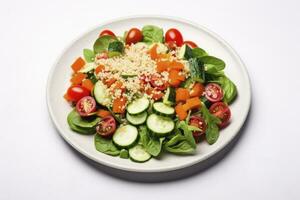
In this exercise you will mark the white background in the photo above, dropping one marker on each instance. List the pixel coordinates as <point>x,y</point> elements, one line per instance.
<point>35,162</point>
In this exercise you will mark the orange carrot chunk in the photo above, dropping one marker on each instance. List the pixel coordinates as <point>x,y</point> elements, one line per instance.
<point>180,112</point>
<point>103,113</point>
<point>88,84</point>
<point>176,65</point>
<point>193,103</point>
<point>182,94</point>
<point>162,66</point>
<point>78,64</point>
<point>197,90</point>
<point>153,52</point>
<point>173,78</point>
<point>119,105</point>
<point>77,78</point>
<point>99,69</point>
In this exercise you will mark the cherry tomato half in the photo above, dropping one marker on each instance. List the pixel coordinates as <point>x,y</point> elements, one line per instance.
<point>213,92</point>
<point>173,35</point>
<point>222,111</point>
<point>85,106</point>
<point>106,127</point>
<point>107,32</point>
<point>158,83</point>
<point>198,122</point>
<point>133,36</point>
<point>190,44</point>
<point>76,92</point>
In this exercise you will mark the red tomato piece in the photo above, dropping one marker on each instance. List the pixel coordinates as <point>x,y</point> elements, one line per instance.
<point>213,92</point>
<point>107,32</point>
<point>133,36</point>
<point>173,35</point>
<point>106,127</point>
<point>198,122</point>
<point>222,111</point>
<point>85,106</point>
<point>190,44</point>
<point>76,92</point>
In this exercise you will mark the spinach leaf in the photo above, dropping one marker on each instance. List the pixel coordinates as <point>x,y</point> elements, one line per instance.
<point>102,43</point>
<point>183,125</point>
<point>229,88</point>
<point>91,75</point>
<point>179,145</point>
<point>89,55</point>
<point>116,46</point>
<point>105,146</point>
<point>152,34</point>
<point>212,129</point>
<point>152,145</point>
<point>212,63</point>
<point>84,123</point>
<point>197,70</point>
<point>73,116</point>
<point>198,52</point>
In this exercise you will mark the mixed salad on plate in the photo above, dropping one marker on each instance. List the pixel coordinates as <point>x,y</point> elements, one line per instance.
<point>146,92</point>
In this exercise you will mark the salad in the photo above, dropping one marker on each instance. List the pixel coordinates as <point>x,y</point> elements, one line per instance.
<point>146,93</point>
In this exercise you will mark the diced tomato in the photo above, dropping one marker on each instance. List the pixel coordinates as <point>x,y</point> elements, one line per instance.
<point>103,113</point>
<point>109,82</point>
<point>190,44</point>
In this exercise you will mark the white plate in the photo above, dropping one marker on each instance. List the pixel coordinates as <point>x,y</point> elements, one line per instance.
<point>58,83</point>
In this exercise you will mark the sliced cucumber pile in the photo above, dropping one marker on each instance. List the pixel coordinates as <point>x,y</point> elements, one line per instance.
<point>160,125</point>
<point>101,94</point>
<point>139,154</point>
<point>137,119</point>
<point>163,109</point>
<point>138,106</point>
<point>125,136</point>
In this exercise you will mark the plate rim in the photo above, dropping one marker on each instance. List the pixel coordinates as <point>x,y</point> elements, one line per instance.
<point>145,170</point>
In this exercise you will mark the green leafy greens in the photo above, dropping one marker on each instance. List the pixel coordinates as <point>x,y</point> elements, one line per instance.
<point>212,129</point>
<point>152,34</point>
<point>151,144</point>
<point>89,55</point>
<point>80,125</point>
<point>105,146</point>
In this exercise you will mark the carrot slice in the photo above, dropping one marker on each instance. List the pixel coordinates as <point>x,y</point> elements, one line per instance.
<point>164,56</point>
<point>182,94</point>
<point>66,96</point>
<point>162,66</point>
<point>109,82</point>
<point>180,111</point>
<point>153,52</point>
<point>103,113</point>
<point>193,103</point>
<point>197,90</point>
<point>77,78</point>
<point>88,84</point>
<point>78,64</point>
<point>119,105</point>
<point>173,78</point>
<point>176,65</point>
<point>99,68</point>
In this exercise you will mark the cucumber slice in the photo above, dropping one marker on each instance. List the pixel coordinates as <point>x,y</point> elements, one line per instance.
<point>136,119</point>
<point>101,94</point>
<point>125,136</point>
<point>124,154</point>
<point>185,52</point>
<point>163,109</point>
<point>138,106</point>
<point>139,154</point>
<point>169,98</point>
<point>159,125</point>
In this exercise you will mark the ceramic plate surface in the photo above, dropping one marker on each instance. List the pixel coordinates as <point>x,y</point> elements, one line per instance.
<point>58,83</point>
